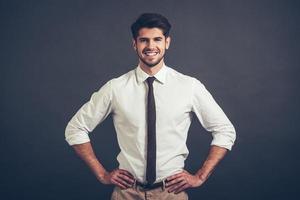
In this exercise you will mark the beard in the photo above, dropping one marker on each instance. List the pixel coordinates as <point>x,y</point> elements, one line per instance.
<point>149,64</point>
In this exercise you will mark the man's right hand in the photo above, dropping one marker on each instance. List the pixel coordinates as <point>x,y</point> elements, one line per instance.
<point>118,177</point>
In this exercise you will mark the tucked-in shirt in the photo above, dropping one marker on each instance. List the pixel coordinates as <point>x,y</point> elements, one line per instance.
<point>176,97</point>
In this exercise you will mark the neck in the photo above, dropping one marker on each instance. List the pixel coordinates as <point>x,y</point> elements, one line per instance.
<point>151,70</point>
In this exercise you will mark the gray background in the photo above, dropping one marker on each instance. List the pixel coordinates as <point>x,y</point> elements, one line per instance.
<point>55,54</point>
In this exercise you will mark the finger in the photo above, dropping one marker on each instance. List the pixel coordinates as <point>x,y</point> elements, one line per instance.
<point>121,186</point>
<point>178,185</point>
<point>175,186</point>
<point>171,189</point>
<point>182,188</point>
<point>126,178</point>
<point>130,178</point>
<point>122,171</point>
<point>122,182</point>
<point>174,181</point>
<point>115,182</point>
<point>170,178</point>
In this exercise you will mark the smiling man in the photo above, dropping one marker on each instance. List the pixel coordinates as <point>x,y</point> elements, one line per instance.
<point>151,45</point>
<point>152,108</point>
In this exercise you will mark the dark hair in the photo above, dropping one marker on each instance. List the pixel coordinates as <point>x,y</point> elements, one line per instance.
<point>150,20</point>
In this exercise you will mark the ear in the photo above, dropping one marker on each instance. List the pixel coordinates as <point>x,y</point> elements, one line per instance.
<point>134,43</point>
<point>168,41</point>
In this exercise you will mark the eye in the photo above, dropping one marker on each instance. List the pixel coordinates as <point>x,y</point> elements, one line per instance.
<point>143,40</point>
<point>158,39</point>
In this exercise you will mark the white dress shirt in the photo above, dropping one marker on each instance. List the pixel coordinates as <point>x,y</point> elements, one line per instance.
<point>176,97</point>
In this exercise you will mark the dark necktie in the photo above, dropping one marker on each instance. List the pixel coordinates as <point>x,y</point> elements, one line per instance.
<point>151,134</point>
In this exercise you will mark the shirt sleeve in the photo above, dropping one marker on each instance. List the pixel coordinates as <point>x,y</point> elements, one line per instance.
<point>212,117</point>
<point>89,116</point>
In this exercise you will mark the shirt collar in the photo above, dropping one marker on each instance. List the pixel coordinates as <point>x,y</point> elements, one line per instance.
<point>141,76</point>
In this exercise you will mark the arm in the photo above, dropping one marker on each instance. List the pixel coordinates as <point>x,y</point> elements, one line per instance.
<point>77,135</point>
<point>216,154</point>
<point>118,177</point>
<point>214,120</point>
<point>184,179</point>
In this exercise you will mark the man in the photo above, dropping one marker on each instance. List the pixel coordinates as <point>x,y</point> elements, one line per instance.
<point>151,107</point>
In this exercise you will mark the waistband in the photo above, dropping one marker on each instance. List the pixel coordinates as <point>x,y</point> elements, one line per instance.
<point>150,186</point>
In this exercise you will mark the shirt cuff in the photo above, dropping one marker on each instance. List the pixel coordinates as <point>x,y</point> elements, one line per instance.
<point>223,140</point>
<point>78,138</point>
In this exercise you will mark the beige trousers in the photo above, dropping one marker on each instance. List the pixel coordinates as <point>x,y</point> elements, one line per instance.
<point>137,193</point>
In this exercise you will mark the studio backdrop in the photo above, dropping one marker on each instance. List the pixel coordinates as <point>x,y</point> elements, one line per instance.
<point>55,54</point>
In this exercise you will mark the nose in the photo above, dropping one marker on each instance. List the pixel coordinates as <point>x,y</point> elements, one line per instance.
<point>151,44</point>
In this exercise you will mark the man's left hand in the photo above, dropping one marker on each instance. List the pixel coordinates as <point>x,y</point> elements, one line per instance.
<point>181,181</point>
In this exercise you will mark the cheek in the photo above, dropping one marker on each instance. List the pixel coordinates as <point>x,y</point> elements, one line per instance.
<point>163,48</point>
<point>140,51</point>
<point>140,48</point>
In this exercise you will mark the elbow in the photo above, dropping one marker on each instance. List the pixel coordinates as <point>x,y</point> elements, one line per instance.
<point>225,138</point>
<point>74,135</point>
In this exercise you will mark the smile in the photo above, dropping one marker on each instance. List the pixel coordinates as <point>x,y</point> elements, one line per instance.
<point>151,53</point>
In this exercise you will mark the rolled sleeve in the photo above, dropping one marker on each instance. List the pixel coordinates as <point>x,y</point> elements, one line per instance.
<point>212,117</point>
<point>89,116</point>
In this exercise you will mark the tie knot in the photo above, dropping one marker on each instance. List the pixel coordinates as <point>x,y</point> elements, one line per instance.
<point>150,80</point>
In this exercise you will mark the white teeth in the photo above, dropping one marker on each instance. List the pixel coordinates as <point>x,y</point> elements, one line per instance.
<point>150,53</point>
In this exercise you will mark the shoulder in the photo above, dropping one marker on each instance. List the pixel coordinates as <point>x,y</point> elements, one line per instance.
<point>179,76</point>
<point>186,82</point>
<point>122,80</point>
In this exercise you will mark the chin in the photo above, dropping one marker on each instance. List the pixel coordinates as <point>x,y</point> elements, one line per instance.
<point>152,64</point>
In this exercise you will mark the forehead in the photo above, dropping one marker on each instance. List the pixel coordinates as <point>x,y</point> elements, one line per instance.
<point>150,32</point>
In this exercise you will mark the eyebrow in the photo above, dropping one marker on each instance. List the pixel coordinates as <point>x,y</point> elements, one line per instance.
<point>145,38</point>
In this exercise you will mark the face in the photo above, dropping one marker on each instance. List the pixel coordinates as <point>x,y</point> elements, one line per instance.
<point>151,46</point>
